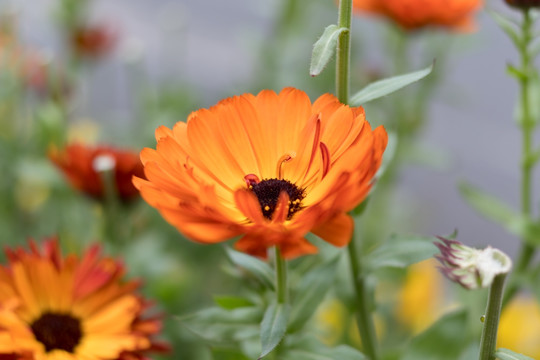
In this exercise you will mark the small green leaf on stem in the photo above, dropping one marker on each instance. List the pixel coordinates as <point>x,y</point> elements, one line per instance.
<point>508,26</point>
<point>497,211</point>
<point>324,49</point>
<point>385,87</point>
<point>273,327</point>
<point>505,354</point>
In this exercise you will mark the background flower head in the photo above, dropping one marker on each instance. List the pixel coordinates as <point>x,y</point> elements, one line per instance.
<point>416,14</point>
<point>80,164</point>
<point>469,267</point>
<point>520,325</point>
<point>270,167</point>
<point>56,307</point>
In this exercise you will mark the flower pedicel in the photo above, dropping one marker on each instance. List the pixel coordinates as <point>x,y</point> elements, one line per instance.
<point>268,167</point>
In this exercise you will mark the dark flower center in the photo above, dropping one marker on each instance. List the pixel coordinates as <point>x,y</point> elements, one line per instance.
<point>268,190</point>
<point>57,331</point>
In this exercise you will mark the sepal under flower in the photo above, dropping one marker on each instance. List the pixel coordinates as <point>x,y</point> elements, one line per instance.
<point>469,267</point>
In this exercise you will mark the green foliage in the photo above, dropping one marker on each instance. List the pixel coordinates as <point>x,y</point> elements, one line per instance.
<point>505,354</point>
<point>254,266</point>
<point>232,302</point>
<point>310,292</point>
<point>400,251</point>
<point>508,26</point>
<point>273,327</point>
<point>228,354</point>
<point>309,348</point>
<point>385,87</point>
<point>325,48</point>
<point>217,326</point>
<point>497,211</point>
<point>444,340</point>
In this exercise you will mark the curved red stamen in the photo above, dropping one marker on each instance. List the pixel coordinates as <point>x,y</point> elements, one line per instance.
<point>251,179</point>
<point>283,159</point>
<point>325,154</point>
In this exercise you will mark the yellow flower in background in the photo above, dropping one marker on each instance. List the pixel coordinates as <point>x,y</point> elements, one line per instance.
<point>420,300</point>
<point>519,326</point>
<point>334,322</point>
<point>83,131</point>
<point>70,308</point>
<point>267,167</point>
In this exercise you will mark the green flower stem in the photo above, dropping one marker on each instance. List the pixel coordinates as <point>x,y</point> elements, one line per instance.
<point>343,51</point>
<point>491,322</point>
<point>363,317</point>
<point>364,320</point>
<point>111,208</point>
<point>527,124</point>
<point>281,277</point>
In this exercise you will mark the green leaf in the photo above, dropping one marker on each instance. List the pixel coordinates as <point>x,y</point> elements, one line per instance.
<point>312,349</point>
<point>258,268</point>
<point>449,330</point>
<point>273,327</point>
<point>232,302</point>
<point>310,293</point>
<point>509,27</point>
<point>217,325</point>
<point>400,251</point>
<point>385,87</point>
<point>497,211</point>
<point>505,354</point>
<point>227,354</point>
<point>324,49</point>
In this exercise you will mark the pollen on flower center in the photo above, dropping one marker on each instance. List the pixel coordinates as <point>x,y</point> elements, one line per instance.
<point>268,191</point>
<point>57,331</point>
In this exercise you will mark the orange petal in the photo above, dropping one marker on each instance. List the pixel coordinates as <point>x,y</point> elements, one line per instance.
<point>248,203</point>
<point>337,230</point>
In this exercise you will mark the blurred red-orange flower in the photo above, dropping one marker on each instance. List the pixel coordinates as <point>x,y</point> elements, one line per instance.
<point>54,307</point>
<point>81,166</point>
<point>93,41</point>
<point>269,167</point>
<point>416,14</point>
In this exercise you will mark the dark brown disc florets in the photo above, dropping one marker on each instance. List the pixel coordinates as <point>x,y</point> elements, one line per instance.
<point>268,191</point>
<point>57,331</point>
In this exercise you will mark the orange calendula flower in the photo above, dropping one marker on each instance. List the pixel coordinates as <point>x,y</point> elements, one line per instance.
<point>70,308</point>
<point>416,14</point>
<point>82,165</point>
<point>269,167</point>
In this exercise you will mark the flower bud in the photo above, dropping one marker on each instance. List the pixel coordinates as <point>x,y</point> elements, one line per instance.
<point>469,267</point>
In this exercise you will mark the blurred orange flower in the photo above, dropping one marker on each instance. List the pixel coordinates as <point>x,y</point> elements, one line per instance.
<point>271,167</point>
<point>70,308</point>
<point>416,14</point>
<point>93,40</point>
<point>80,165</point>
